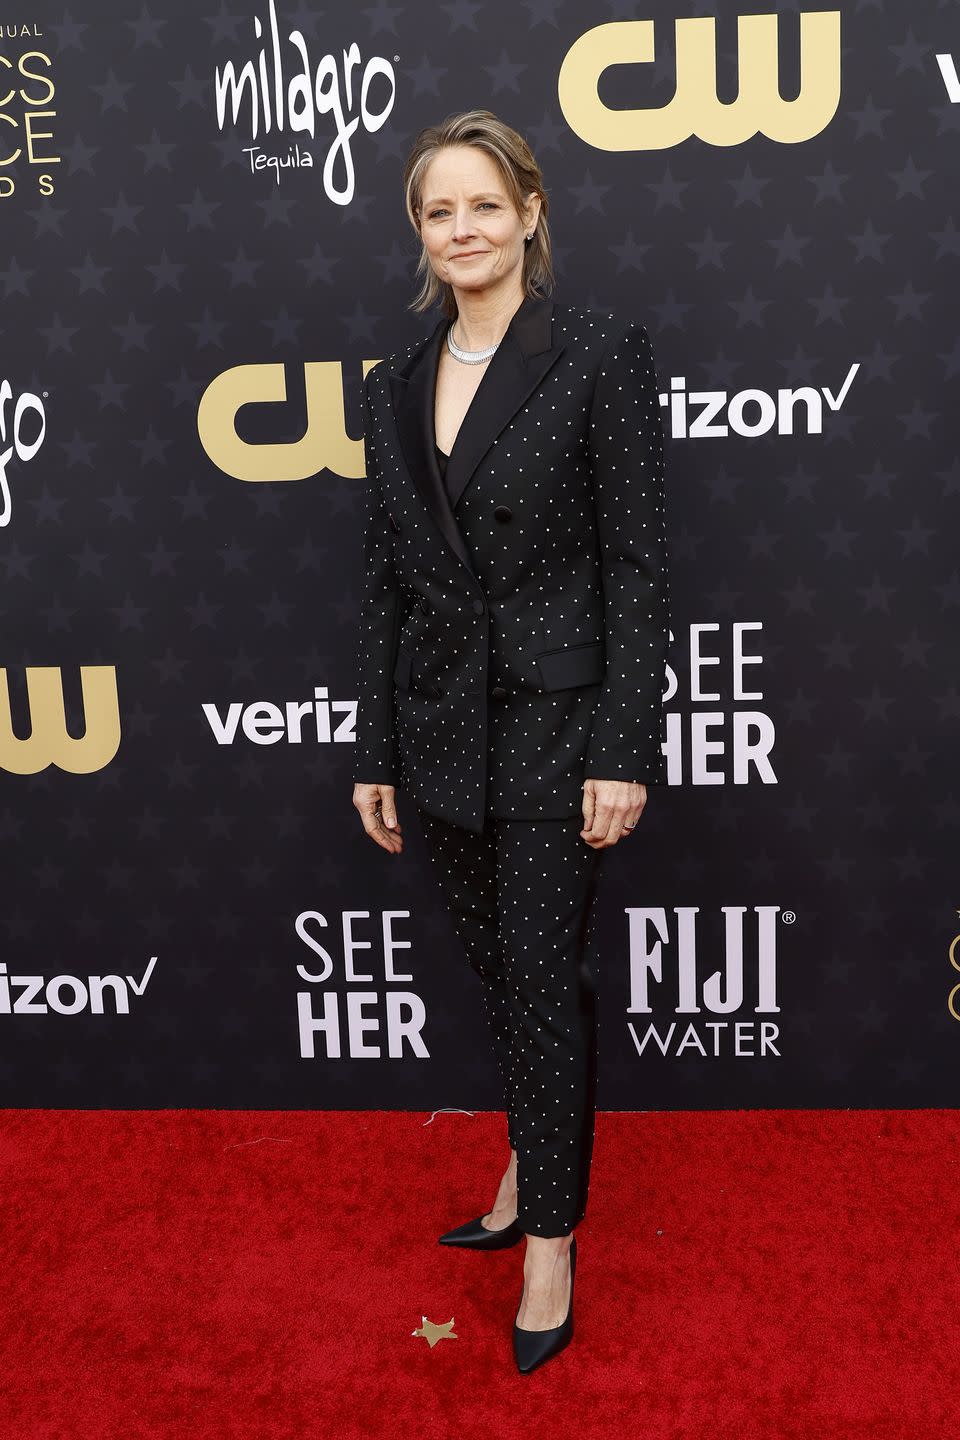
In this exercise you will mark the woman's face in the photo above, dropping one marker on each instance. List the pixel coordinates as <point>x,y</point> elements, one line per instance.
<point>467,213</point>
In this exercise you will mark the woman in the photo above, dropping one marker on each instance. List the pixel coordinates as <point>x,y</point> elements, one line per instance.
<point>512,648</point>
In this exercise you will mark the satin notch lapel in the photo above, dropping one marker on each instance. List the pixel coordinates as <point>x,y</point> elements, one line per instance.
<point>413,390</point>
<point>520,362</point>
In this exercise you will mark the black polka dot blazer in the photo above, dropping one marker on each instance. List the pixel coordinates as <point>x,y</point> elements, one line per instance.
<point>515,620</point>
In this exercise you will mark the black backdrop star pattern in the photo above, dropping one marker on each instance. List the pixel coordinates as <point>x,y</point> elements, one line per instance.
<point>159,261</point>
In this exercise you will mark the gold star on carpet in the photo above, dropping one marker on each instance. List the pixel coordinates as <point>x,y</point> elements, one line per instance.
<point>432,1333</point>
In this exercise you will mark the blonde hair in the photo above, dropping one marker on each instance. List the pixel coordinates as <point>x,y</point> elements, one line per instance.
<point>520,174</point>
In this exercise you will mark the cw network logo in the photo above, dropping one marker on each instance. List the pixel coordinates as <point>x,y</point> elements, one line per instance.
<point>48,742</point>
<point>741,982</point>
<point>324,444</point>
<point>70,994</point>
<point>749,413</point>
<point>695,109</point>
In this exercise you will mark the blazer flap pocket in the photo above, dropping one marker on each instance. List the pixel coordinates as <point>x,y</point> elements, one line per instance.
<point>401,671</point>
<point>573,665</point>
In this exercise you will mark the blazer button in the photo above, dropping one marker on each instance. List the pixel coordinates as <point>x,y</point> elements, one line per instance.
<point>498,692</point>
<point>478,607</point>
<point>394,526</point>
<point>503,512</point>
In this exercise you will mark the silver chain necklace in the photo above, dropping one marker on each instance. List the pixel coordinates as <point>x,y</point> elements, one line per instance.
<point>468,357</point>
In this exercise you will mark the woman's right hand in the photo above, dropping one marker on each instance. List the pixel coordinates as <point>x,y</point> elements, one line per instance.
<point>377,805</point>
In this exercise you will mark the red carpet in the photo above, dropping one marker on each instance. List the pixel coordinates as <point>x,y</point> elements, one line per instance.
<point>788,1275</point>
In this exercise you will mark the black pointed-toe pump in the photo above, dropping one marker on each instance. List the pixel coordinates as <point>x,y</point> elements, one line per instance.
<point>474,1236</point>
<point>532,1347</point>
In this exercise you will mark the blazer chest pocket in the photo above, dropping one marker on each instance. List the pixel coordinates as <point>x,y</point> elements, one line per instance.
<point>572,665</point>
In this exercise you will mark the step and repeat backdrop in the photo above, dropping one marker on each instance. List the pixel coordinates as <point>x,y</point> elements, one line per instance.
<point>203,247</point>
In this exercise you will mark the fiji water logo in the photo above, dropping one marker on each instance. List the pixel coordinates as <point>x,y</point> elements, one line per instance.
<point>731,975</point>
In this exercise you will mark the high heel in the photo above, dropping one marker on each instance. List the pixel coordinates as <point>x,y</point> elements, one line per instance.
<point>472,1235</point>
<point>532,1347</point>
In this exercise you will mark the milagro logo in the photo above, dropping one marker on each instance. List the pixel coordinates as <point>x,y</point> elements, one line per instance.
<point>17,416</point>
<point>71,994</point>
<point>286,93</point>
<point>682,966</point>
<point>716,414</point>
<point>728,742</point>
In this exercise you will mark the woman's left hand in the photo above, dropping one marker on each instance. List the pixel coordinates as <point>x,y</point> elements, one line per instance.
<point>611,808</point>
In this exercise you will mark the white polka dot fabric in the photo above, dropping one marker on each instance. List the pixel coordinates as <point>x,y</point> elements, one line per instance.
<point>512,643</point>
<point>521,897</point>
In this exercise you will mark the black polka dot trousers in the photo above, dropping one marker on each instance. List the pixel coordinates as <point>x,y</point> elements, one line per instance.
<point>521,897</point>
